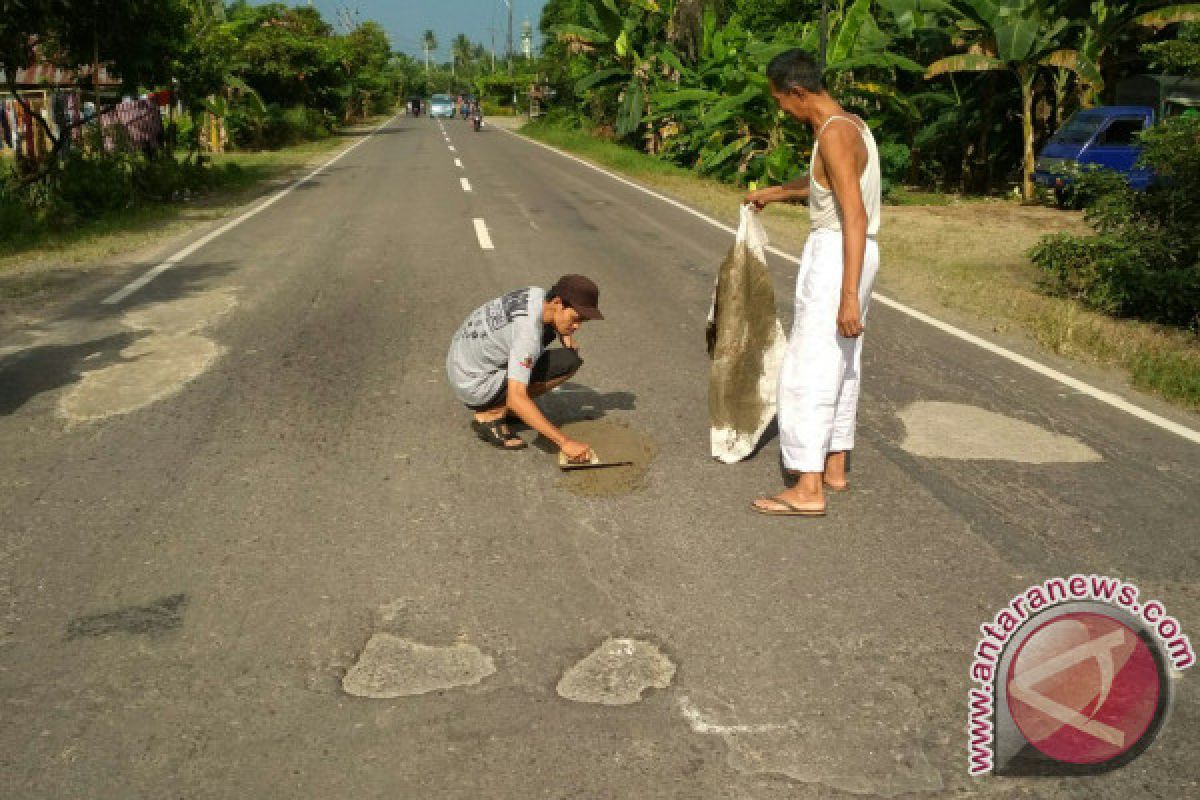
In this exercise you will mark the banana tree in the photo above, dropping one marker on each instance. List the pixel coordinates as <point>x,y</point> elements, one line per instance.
<point>1111,21</point>
<point>619,42</point>
<point>720,113</point>
<point>1018,37</point>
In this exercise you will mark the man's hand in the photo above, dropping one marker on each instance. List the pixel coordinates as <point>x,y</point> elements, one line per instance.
<point>569,342</point>
<point>849,318</point>
<point>760,198</point>
<point>576,451</point>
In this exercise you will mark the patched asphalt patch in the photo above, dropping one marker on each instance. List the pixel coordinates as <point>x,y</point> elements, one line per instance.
<point>391,666</point>
<point>616,673</point>
<point>165,614</point>
<point>964,432</point>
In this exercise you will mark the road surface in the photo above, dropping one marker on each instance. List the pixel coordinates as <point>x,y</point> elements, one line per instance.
<point>217,488</point>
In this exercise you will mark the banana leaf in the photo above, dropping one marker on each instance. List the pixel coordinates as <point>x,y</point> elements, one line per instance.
<point>629,115</point>
<point>596,78</point>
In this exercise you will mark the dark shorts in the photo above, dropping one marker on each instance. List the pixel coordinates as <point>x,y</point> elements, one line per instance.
<point>556,363</point>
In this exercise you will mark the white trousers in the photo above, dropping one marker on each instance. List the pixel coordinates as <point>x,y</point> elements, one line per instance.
<point>819,380</point>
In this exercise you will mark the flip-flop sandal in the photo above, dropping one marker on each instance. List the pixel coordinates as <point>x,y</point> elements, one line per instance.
<point>788,509</point>
<point>494,434</point>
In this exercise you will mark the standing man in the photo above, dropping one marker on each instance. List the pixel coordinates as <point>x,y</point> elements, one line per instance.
<point>498,360</point>
<point>819,380</point>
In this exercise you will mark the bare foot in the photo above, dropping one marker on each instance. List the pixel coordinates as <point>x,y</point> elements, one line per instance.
<point>792,500</point>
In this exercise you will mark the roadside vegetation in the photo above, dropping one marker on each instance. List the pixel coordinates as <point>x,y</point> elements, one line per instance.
<point>242,79</point>
<point>960,94</point>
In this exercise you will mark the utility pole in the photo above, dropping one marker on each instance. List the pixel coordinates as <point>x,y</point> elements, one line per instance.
<point>509,51</point>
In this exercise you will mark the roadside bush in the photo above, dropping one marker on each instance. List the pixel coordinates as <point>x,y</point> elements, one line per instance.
<point>1144,259</point>
<point>273,126</point>
<point>91,184</point>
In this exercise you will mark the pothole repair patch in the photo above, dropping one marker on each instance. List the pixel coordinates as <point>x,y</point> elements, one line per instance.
<point>157,364</point>
<point>616,673</point>
<point>964,432</point>
<point>391,666</point>
<point>611,441</point>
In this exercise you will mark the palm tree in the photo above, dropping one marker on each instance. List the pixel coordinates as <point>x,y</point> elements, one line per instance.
<point>461,51</point>
<point>429,43</point>
<point>1017,38</point>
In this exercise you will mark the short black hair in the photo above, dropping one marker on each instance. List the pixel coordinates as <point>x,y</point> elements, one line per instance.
<point>793,68</point>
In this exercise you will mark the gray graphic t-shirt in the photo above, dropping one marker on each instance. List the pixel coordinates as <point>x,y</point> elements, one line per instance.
<point>500,341</point>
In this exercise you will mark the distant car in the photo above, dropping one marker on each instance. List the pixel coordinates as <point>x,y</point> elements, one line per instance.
<point>441,105</point>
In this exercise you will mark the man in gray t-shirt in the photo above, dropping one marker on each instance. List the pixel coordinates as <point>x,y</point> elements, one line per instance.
<point>498,359</point>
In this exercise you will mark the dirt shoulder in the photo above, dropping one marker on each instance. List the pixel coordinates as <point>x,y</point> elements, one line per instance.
<point>965,263</point>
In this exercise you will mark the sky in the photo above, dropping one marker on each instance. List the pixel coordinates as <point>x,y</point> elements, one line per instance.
<point>405,20</point>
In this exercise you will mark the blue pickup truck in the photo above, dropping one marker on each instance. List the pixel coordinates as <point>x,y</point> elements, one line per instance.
<point>1108,136</point>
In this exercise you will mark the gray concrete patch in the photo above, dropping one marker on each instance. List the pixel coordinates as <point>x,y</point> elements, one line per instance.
<point>185,315</point>
<point>860,750</point>
<point>391,666</point>
<point>954,430</point>
<point>616,673</point>
<point>156,365</point>
<point>163,615</point>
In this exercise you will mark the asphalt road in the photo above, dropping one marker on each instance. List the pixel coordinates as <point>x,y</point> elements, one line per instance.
<point>215,492</point>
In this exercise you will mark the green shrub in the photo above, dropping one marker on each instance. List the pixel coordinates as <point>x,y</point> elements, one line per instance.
<point>1144,258</point>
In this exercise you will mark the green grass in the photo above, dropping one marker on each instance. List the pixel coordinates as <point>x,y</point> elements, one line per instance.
<point>609,154</point>
<point>1172,374</point>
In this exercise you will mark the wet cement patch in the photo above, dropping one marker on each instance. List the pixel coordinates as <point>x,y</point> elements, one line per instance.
<point>954,430</point>
<point>612,441</point>
<point>165,614</point>
<point>616,673</point>
<point>391,666</point>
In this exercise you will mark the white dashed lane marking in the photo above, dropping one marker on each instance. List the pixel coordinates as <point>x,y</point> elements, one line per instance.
<point>466,184</point>
<point>481,232</point>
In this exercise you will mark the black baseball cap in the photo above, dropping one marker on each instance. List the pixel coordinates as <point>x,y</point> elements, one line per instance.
<point>580,293</point>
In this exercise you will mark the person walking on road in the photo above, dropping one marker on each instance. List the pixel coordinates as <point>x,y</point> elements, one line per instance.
<point>498,361</point>
<point>821,372</point>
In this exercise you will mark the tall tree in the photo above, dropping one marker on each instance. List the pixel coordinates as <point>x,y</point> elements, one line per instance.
<point>461,52</point>
<point>429,43</point>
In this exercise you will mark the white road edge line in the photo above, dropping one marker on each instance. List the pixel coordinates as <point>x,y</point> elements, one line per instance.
<point>452,150</point>
<point>122,294</point>
<point>1108,398</point>
<point>481,232</point>
<point>466,184</point>
<point>458,163</point>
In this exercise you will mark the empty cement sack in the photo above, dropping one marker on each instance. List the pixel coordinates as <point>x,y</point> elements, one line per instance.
<point>745,343</point>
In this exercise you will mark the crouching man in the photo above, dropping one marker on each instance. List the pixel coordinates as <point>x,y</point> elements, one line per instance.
<point>498,361</point>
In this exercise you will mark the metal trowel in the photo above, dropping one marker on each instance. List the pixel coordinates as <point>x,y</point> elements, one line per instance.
<point>594,463</point>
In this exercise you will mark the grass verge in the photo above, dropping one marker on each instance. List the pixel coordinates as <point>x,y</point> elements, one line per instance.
<point>962,259</point>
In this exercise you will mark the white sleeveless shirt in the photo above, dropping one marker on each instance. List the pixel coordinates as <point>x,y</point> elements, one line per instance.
<point>823,208</point>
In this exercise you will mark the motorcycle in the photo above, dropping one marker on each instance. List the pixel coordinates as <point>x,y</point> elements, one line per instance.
<point>477,120</point>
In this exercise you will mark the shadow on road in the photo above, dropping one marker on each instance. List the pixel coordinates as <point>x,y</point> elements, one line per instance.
<point>28,373</point>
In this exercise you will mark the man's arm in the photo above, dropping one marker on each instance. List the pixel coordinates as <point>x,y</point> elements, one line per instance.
<point>839,146</point>
<point>521,404</point>
<point>794,191</point>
